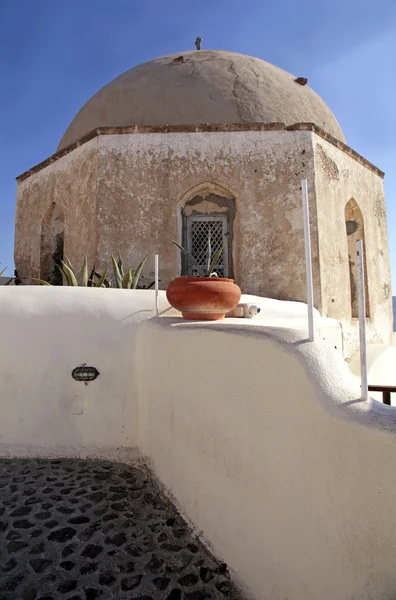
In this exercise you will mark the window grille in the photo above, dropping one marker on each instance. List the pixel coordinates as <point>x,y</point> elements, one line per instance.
<point>198,228</point>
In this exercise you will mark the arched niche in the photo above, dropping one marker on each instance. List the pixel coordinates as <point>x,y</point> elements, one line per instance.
<point>52,244</point>
<point>208,208</point>
<point>354,224</point>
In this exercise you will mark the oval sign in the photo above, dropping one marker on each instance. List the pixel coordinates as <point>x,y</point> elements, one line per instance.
<point>84,373</point>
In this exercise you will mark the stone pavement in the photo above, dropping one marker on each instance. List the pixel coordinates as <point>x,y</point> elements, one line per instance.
<point>81,530</point>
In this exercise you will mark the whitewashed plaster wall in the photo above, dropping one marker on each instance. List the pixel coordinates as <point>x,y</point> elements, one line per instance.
<point>45,333</point>
<point>338,179</point>
<point>262,440</point>
<point>381,361</point>
<point>259,435</point>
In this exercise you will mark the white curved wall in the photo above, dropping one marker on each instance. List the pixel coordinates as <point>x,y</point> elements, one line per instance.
<point>381,367</point>
<point>263,441</point>
<point>258,434</point>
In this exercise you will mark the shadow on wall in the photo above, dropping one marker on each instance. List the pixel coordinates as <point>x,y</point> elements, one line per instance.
<point>264,442</point>
<point>259,436</point>
<point>52,245</point>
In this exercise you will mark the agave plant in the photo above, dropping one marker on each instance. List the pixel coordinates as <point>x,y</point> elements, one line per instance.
<point>83,278</point>
<point>128,279</point>
<point>10,279</point>
<point>211,262</point>
<point>77,278</point>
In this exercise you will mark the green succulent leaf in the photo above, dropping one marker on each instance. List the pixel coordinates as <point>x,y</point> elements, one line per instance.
<point>117,273</point>
<point>209,252</point>
<point>40,281</point>
<point>91,282</point>
<point>189,256</point>
<point>69,275</point>
<point>215,260</point>
<point>138,273</point>
<point>127,280</point>
<point>84,274</point>
<point>120,265</point>
<point>102,281</point>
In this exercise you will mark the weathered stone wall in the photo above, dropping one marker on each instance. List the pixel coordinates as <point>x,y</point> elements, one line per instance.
<point>145,180</point>
<point>71,183</point>
<point>338,179</point>
<point>125,192</point>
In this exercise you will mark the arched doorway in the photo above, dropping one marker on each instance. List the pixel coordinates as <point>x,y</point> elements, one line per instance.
<point>52,245</point>
<point>355,231</point>
<point>208,212</point>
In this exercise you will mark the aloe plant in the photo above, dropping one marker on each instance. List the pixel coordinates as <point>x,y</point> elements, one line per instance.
<point>211,262</point>
<point>2,271</point>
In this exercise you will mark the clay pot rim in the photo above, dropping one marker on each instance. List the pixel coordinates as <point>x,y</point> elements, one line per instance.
<point>186,277</point>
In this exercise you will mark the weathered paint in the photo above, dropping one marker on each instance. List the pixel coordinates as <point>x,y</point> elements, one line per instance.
<point>71,183</point>
<point>351,182</point>
<point>52,245</point>
<point>211,86</point>
<point>126,193</point>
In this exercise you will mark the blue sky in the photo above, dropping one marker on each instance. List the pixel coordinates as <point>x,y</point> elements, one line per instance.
<point>54,55</point>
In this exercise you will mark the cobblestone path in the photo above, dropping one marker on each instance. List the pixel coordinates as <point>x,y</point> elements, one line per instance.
<point>81,530</point>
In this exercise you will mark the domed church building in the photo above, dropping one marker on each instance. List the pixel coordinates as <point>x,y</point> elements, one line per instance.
<point>212,141</point>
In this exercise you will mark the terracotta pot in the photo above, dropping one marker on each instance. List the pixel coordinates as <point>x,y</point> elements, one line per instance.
<point>203,298</point>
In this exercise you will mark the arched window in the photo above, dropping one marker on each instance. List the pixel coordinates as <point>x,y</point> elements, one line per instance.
<point>52,243</point>
<point>355,231</point>
<point>209,210</point>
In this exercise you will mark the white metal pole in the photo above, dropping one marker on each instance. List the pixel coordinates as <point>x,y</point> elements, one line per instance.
<point>362,319</point>
<point>156,285</point>
<point>308,260</point>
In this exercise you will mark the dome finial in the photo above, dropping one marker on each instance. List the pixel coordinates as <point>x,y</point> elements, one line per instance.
<point>197,43</point>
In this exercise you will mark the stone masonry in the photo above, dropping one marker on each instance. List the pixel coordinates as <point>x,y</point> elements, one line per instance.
<point>81,530</point>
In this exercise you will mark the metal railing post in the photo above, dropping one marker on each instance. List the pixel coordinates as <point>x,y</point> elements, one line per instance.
<point>156,284</point>
<point>308,260</point>
<point>362,319</point>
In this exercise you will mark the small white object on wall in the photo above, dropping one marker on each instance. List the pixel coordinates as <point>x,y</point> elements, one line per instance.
<point>246,311</point>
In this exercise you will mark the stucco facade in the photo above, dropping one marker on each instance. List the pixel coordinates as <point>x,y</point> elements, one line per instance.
<point>70,184</point>
<point>129,191</point>
<point>341,183</point>
<point>193,88</point>
<point>259,434</point>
